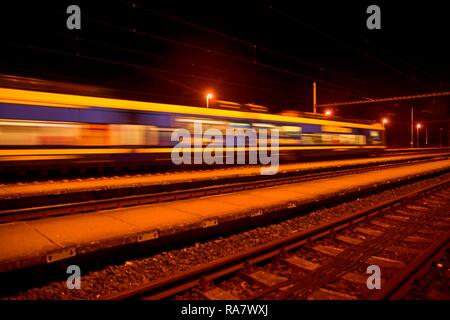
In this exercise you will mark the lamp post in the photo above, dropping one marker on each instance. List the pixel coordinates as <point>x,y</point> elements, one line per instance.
<point>418,128</point>
<point>440,137</point>
<point>384,122</point>
<point>208,96</point>
<point>314,97</point>
<point>412,128</point>
<point>426,136</point>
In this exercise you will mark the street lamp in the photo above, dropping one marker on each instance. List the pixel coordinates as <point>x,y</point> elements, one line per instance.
<point>418,128</point>
<point>384,122</point>
<point>208,96</point>
<point>328,113</point>
<point>412,128</point>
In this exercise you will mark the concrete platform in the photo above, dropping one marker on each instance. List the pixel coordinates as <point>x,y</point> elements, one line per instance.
<point>21,241</point>
<point>42,241</point>
<point>42,188</point>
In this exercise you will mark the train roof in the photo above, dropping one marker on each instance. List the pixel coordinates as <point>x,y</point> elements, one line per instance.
<point>20,96</point>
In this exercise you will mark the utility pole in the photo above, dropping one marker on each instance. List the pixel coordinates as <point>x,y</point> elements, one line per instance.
<point>314,97</point>
<point>412,127</point>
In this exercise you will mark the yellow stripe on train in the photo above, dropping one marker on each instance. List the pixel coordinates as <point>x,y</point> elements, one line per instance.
<point>76,101</point>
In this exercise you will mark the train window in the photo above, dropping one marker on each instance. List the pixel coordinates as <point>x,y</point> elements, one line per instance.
<point>263,125</point>
<point>374,137</point>
<point>360,139</point>
<point>351,139</point>
<point>290,132</point>
<point>239,125</point>
<point>151,135</point>
<point>38,133</point>
<point>127,134</point>
<point>291,129</point>
<point>199,120</point>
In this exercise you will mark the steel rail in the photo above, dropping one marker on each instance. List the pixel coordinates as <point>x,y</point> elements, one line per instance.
<point>400,285</point>
<point>183,281</point>
<point>138,200</point>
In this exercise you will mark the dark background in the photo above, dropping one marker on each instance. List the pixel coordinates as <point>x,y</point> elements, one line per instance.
<point>260,51</point>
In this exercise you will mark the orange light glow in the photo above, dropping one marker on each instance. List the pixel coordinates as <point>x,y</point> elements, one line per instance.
<point>37,98</point>
<point>385,120</point>
<point>209,95</point>
<point>419,126</point>
<point>328,113</point>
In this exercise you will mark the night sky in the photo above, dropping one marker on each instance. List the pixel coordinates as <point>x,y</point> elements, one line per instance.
<point>265,52</point>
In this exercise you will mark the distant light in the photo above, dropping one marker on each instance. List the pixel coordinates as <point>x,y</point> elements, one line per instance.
<point>419,126</point>
<point>328,113</point>
<point>385,120</point>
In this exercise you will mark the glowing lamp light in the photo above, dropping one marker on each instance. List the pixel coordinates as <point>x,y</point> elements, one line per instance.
<point>208,96</point>
<point>328,113</point>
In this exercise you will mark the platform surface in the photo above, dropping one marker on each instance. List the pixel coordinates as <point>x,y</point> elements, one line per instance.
<point>90,184</point>
<point>31,242</point>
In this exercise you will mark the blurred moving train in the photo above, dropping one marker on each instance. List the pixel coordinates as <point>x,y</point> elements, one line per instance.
<point>47,129</point>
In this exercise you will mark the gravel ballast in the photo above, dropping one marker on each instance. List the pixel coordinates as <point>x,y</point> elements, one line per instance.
<point>114,278</point>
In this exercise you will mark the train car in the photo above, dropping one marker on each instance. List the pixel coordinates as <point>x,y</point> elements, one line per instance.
<point>56,130</point>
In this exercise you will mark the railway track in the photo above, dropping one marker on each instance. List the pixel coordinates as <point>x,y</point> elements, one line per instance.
<point>400,236</point>
<point>190,191</point>
<point>41,172</point>
<point>92,189</point>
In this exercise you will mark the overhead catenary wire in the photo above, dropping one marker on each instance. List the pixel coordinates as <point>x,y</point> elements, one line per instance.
<point>390,99</point>
<point>157,72</point>
<point>239,40</point>
<point>344,44</point>
<point>409,64</point>
<point>108,45</point>
<point>211,51</point>
<point>341,91</point>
